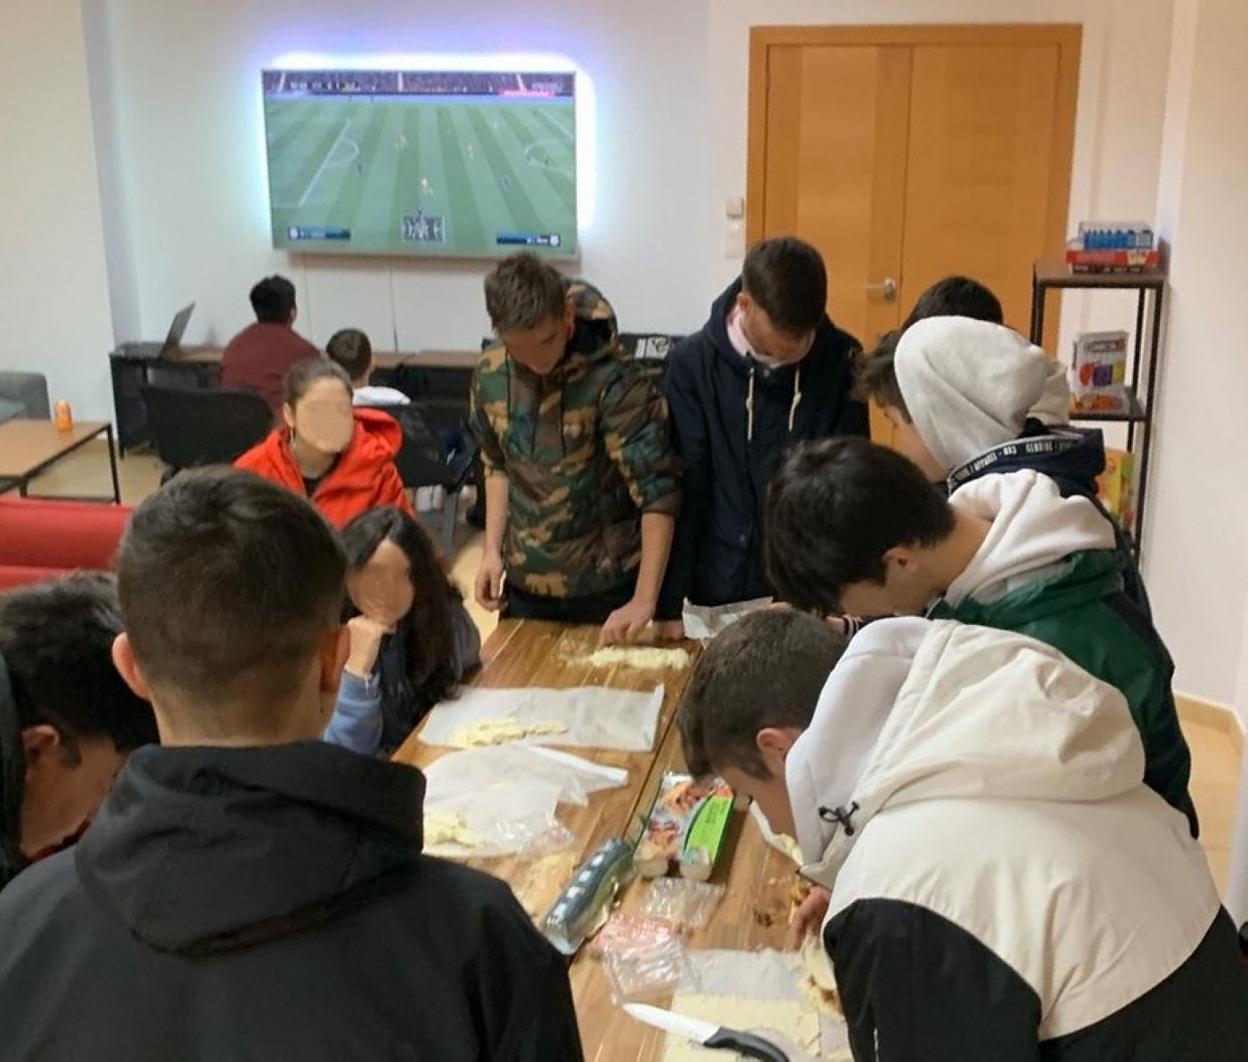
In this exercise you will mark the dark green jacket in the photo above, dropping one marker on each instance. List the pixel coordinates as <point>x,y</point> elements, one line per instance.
<point>586,450</point>
<point>1083,611</point>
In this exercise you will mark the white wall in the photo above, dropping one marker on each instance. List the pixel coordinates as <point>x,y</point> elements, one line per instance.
<point>671,87</point>
<point>190,178</point>
<point>53,282</point>
<point>1197,567</point>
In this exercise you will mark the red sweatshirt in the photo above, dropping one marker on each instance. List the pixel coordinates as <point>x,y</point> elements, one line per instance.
<point>260,356</point>
<point>363,478</point>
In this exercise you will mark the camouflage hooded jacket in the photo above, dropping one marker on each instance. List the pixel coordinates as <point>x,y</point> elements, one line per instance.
<point>586,450</point>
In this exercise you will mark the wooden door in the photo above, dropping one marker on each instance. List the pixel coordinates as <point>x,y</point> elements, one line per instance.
<point>907,153</point>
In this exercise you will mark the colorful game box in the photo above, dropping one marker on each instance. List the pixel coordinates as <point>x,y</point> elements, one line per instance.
<point>1098,372</point>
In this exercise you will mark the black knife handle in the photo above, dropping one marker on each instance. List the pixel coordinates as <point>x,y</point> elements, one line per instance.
<point>747,1045</point>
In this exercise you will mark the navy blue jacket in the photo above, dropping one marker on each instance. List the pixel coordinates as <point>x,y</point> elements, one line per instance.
<point>731,452</point>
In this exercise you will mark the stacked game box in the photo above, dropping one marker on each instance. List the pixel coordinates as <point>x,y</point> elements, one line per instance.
<point>1113,247</point>
<point>1098,372</point>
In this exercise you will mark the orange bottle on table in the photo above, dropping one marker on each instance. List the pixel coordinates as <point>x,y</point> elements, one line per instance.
<point>64,417</point>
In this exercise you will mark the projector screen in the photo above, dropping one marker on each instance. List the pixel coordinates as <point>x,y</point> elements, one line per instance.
<point>435,163</point>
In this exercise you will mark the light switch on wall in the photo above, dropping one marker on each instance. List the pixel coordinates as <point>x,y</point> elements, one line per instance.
<point>734,239</point>
<point>734,207</point>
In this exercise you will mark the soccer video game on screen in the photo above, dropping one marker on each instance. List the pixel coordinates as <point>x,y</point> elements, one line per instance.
<point>424,163</point>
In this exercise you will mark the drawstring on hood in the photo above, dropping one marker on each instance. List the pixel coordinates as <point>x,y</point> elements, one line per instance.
<point>977,714</point>
<point>749,401</point>
<point>797,398</point>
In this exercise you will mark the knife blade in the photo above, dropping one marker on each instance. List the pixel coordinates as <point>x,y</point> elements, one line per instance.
<point>715,1037</point>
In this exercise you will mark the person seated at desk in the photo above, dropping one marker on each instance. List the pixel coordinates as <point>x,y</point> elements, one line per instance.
<point>247,890</point>
<point>351,349</point>
<point>1004,887</point>
<point>260,356</point>
<point>67,720</point>
<point>580,476</point>
<point>339,458</point>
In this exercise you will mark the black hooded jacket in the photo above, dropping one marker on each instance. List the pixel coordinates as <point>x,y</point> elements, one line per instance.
<point>732,420</point>
<point>271,903</point>
<point>12,782</point>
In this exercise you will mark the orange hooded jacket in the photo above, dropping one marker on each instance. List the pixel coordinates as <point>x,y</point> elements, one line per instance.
<point>364,476</point>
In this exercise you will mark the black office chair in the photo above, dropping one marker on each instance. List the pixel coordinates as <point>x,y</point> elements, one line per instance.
<point>193,428</point>
<point>423,462</point>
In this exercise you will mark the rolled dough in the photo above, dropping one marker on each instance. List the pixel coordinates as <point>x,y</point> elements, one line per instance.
<point>643,658</point>
<point>501,731</point>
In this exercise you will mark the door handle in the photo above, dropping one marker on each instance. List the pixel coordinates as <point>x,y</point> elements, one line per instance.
<point>887,288</point>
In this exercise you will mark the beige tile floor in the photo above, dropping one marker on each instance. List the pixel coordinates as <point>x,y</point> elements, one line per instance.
<point>1215,760</point>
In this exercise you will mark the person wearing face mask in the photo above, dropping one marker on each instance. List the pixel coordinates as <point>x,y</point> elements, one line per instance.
<point>412,640</point>
<point>767,370</point>
<point>338,457</point>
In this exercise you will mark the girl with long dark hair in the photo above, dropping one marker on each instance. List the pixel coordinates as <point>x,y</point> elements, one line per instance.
<point>412,640</point>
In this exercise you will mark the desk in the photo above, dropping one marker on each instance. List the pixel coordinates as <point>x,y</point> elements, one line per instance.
<point>529,653</point>
<point>30,447</point>
<point>439,378</point>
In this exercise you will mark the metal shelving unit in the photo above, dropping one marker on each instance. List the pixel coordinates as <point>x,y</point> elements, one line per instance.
<point>1054,275</point>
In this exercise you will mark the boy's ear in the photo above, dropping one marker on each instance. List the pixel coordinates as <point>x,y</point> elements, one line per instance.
<point>569,317</point>
<point>334,649</point>
<point>40,744</point>
<point>900,559</point>
<point>128,668</point>
<point>774,743</point>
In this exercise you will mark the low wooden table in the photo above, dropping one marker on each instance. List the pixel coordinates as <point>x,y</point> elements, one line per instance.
<point>755,908</point>
<point>29,448</point>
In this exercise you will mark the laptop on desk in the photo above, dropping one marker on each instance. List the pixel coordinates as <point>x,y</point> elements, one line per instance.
<point>170,348</point>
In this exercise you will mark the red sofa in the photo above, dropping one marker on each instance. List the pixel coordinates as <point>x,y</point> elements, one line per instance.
<point>42,540</point>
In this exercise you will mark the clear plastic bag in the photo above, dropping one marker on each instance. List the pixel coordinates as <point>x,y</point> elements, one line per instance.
<point>624,931</point>
<point>506,797</point>
<point>646,968</point>
<point>684,903</point>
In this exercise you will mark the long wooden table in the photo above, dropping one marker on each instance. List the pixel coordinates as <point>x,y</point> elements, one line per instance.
<point>758,879</point>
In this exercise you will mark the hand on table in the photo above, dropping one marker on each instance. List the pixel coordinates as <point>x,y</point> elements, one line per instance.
<point>626,622</point>
<point>366,635</point>
<point>488,586</point>
<point>808,918</point>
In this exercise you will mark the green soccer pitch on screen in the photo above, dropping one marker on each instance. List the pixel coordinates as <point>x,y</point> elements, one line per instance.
<point>433,163</point>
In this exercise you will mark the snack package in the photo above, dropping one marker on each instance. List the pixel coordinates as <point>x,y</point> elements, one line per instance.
<point>687,826</point>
